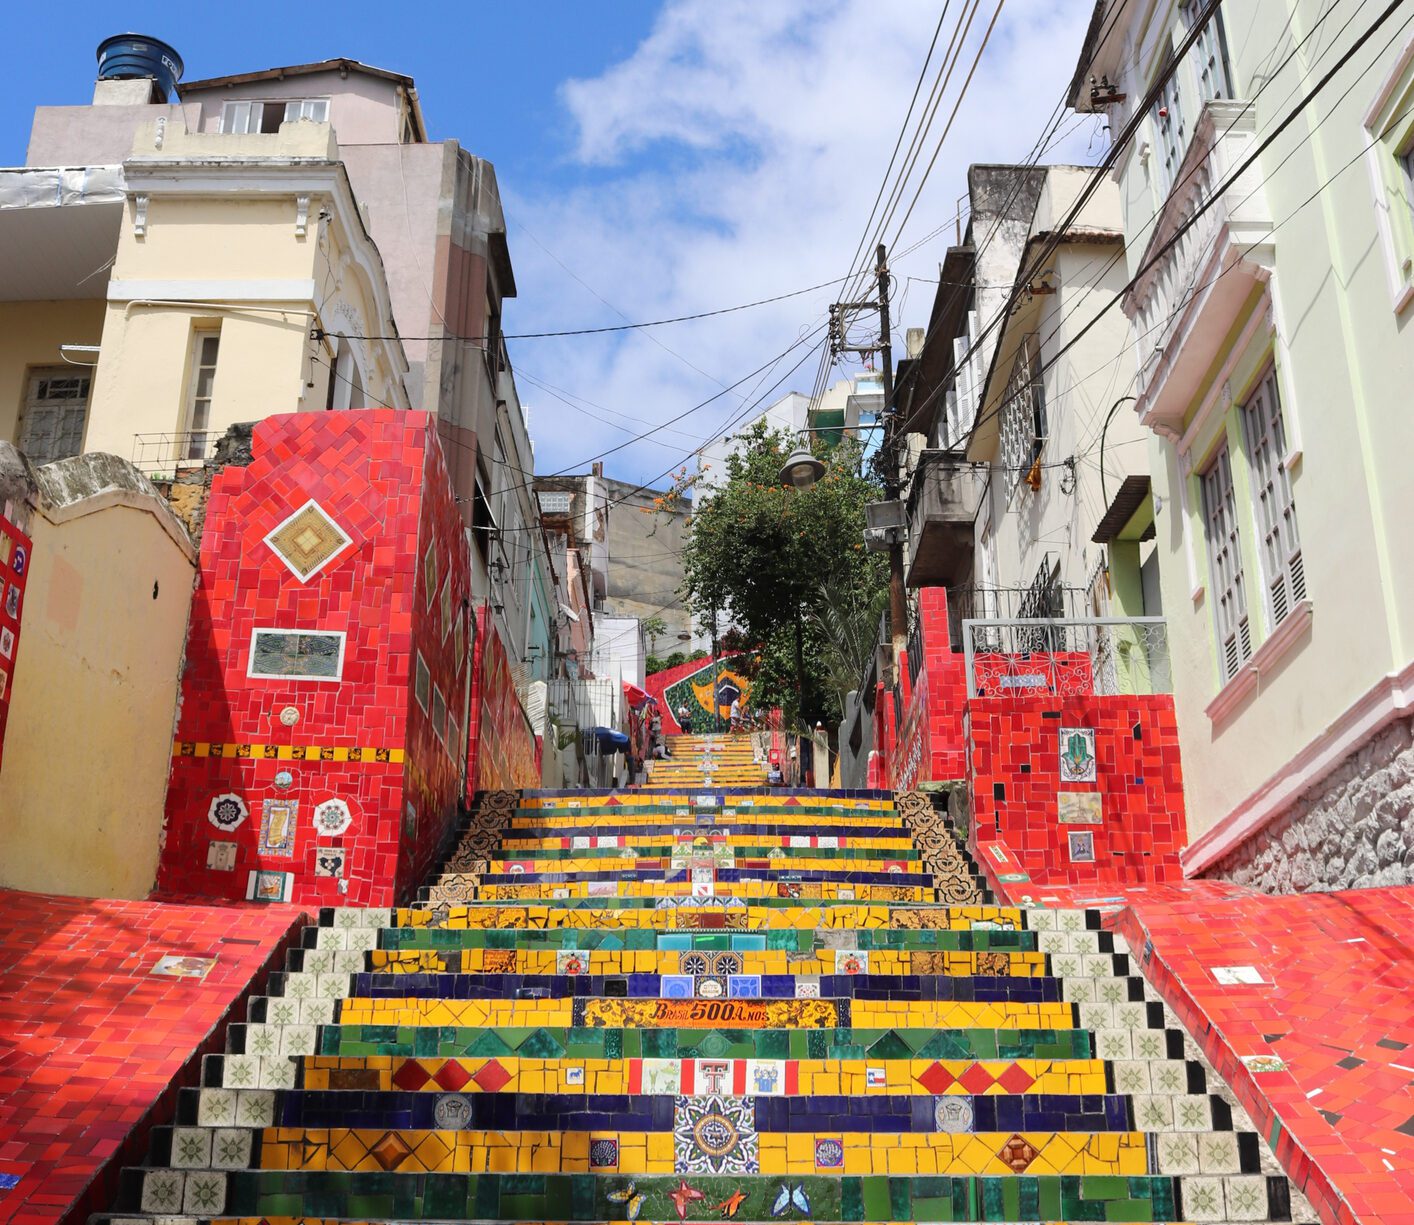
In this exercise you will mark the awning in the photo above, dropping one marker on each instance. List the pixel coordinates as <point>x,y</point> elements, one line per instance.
<point>608,738</point>
<point>1121,510</point>
<point>637,697</point>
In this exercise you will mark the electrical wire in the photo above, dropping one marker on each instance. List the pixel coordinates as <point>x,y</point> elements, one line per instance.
<point>619,327</point>
<point>1217,193</point>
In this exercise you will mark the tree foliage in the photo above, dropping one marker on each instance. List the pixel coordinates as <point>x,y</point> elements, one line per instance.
<point>780,561</point>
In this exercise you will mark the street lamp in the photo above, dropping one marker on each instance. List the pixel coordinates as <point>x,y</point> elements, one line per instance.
<point>802,469</point>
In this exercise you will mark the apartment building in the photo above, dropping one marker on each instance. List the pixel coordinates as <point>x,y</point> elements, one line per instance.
<point>1269,239</point>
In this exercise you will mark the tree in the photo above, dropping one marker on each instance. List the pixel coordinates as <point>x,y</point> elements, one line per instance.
<point>774,559</point>
<point>653,629</point>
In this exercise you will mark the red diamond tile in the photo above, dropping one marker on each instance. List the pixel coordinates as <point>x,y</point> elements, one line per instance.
<point>976,1079</point>
<point>1016,1079</point>
<point>452,1075</point>
<point>411,1076</point>
<point>936,1079</point>
<point>491,1076</point>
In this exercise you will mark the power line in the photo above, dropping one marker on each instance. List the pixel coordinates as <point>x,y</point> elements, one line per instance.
<point>1215,195</point>
<point>618,327</point>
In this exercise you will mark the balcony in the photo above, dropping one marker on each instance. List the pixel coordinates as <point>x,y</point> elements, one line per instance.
<point>1184,307</point>
<point>942,506</point>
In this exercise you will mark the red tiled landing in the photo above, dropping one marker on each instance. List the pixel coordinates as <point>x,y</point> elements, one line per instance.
<point>91,1041</point>
<point>1336,1006</point>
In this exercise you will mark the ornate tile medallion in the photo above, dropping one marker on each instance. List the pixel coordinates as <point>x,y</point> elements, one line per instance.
<point>308,541</point>
<point>715,1135</point>
<point>1077,754</point>
<point>227,811</point>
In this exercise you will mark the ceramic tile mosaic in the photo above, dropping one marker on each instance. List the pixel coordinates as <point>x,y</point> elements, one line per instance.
<point>323,530</point>
<point>107,1006</point>
<point>647,1056</point>
<point>15,550</point>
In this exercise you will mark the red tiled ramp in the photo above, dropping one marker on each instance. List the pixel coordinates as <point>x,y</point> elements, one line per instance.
<point>93,1041</point>
<point>1327,1032</point>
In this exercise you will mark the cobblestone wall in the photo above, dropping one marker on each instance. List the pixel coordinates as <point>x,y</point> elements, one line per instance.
<point>1354,830</point>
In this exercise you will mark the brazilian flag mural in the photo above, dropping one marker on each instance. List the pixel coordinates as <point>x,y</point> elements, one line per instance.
<point>693,688</point>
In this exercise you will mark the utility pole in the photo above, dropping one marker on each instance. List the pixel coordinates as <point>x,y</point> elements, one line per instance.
<point>898,607</point>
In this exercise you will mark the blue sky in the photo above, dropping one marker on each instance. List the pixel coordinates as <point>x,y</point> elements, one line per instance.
<point>656,158</point>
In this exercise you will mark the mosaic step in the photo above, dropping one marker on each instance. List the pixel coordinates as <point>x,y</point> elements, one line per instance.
<point>778,1058</point>
<point>411,1195</point>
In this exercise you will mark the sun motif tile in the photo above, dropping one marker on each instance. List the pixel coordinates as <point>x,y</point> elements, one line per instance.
<point>308,541</point>
<point>715,1135</point>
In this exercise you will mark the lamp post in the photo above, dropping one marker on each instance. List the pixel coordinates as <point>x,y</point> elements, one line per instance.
<point>801,469</point>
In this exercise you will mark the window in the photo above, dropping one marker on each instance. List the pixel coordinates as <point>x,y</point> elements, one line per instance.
<point>314,109</point>
<point>243,118</point>
<point>205,346</point>
<point>308,655</point>
<point>1172,141</point>
<point>483,523</point>
<point>345,380</point>
<point>1023,414</point>
<point>1406,166</point>
<point>56,412</point>
<point>1209,52</point>
<point>1225,563</point>
<point>1265,434</point>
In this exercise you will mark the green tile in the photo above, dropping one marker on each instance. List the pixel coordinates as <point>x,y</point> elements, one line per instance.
<point>878,1202</point>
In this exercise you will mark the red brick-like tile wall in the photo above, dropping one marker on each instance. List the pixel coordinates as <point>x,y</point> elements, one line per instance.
<point>931,746</point>
<point>1015,780</point>
<point>505,753</point>
<point>435,766</point>
<point>15,554</point>
<point>364,739</point>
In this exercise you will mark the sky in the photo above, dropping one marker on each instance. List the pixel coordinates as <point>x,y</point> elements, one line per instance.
<point>656,158</point>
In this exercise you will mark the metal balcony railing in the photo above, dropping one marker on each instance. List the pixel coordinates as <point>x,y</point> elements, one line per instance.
<point>1067,657</point>
<point>166,454</point>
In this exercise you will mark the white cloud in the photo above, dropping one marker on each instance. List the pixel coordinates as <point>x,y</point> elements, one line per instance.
<point>734,155</point>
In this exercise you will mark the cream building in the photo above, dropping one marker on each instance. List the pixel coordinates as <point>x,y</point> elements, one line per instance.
<point>1271,304</point>
<point>1043,423</point>
<point>193,281</point>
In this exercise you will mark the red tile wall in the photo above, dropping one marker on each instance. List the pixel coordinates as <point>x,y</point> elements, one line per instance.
<point>16,554</point>
<point>1014,745</point>
<point>380,476</point>
<point>435,768</point>
<point>505,753</point>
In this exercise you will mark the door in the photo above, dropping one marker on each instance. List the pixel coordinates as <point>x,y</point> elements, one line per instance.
<point>55,413</point>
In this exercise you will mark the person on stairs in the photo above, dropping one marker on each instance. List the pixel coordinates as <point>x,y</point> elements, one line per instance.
<point>684,720</point>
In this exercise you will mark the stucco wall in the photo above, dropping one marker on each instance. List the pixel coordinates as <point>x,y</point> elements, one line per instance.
<point>104,624</point>
<point>30,335</point>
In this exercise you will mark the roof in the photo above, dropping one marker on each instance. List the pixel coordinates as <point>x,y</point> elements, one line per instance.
<point>294,70</point>
<point>340,65</point>
<point>1087,57</point>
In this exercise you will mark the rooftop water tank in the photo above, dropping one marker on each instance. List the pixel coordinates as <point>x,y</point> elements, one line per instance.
<point>126,57</point>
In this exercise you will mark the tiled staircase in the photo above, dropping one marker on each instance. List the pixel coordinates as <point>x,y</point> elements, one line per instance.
<point>708,1005</point>
<point>725,760</point>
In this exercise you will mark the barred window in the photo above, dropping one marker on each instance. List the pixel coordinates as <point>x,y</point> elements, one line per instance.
<point>1023,426</point>
<point>1265,433</point>
<point>1225,562</point>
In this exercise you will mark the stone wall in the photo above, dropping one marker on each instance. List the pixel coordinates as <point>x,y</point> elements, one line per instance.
<point>1354,830</point>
